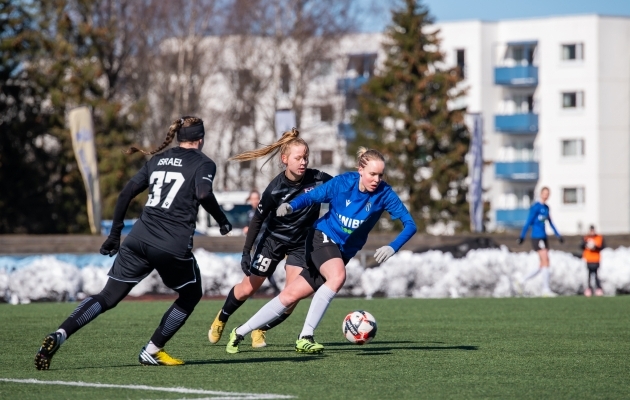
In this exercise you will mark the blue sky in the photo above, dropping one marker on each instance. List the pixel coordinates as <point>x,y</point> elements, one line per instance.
<point>492,10</point>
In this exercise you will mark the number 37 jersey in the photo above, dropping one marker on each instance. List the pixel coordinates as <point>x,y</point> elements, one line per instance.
<point>170,214</point>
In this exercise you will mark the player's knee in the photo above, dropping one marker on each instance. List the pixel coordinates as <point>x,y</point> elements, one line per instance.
<point>288,298</point>
<point>106,302</point>
<point>336,280</point>
<point>243,291</point>
<point>190,297</point>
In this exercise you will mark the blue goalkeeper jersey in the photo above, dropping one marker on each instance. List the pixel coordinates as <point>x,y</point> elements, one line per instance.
<point>352,214</point>
<point>538,215</point>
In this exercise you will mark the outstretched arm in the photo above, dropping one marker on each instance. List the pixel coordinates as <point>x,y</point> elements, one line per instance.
<point>203,186</point>
<point>555,231</point>
<point>134,187</point>
<point>397,210</point>
<point>530,219</point>
<point>321,194</point>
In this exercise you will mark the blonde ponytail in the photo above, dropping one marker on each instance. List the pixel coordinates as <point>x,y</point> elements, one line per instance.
<point>282,146</point>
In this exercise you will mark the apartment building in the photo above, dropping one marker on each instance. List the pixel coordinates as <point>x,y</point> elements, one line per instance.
<point>554,94</point>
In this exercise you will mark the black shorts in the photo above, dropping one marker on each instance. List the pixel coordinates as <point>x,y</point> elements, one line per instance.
<point>270,251</point>
<point>136,260</point>
<point>319,249</point>
<point>540,244</point>
<point>593,267</point>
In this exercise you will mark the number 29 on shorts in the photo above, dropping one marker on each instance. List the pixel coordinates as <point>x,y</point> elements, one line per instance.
<point>262,263</point>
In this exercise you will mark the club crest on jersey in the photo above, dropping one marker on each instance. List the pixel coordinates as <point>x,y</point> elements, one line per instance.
<point>176,162</point>
<point>306,190</point>
<point>348,202</point>
<point>368,206</point>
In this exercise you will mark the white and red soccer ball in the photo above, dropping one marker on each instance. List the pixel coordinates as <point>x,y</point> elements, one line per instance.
<point>359,327</point>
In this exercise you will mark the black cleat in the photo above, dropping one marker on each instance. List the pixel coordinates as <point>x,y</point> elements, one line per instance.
<point>50,345</point>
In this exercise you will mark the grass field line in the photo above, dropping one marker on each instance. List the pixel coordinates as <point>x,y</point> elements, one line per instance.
<point>221,395</point>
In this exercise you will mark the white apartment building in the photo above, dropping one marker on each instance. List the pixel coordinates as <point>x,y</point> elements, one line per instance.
<point>554,94</point>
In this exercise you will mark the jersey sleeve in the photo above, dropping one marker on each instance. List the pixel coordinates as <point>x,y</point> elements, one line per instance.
<point>131,190</point>
<point>136,185</point>
<point>530,219</point>
<point>265,206</point>
<point>142,177</point>
<point>204,177</point>
<point>397,210</point>
<point>555,231</point>
<point>321,194</point>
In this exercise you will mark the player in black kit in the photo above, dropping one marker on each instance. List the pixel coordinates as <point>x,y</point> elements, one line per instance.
<point>179,180</point>
<point>283,236</point>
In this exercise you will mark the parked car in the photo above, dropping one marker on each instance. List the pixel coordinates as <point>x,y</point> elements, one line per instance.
<point>234,205</point>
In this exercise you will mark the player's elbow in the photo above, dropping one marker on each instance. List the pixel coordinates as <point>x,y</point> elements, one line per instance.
<point>203,195</point>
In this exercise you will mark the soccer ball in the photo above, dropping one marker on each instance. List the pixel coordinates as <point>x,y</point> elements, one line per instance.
<point>359,327</point>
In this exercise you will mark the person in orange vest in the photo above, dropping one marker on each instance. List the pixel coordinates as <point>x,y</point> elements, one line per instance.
<point>592,244</point>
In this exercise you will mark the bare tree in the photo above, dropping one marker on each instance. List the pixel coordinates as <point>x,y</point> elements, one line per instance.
<point>178,60</point>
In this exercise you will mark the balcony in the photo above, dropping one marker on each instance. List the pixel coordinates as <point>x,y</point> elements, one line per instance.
<point>521,171</point>
<point>516,123</point>
<point>512,218</point>
<point>351,85</point>
<point>521,75</point>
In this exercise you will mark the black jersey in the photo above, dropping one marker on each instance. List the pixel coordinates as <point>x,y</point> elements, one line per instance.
<point>293,227</point>
<point>178,180</point>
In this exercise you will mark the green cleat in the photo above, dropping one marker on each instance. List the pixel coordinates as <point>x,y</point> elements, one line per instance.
<point>232,345</point>
<point>307,344</point>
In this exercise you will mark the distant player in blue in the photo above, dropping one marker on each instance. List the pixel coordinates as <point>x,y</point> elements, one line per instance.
<point>537,218</point>
<point>357,200</point>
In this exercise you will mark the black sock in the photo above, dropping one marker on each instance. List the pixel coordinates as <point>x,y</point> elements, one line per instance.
<point>275,322</point>
<point>230,306</point>
<point>93,306</point>
<point>85,312</point>
<point>173,319</point>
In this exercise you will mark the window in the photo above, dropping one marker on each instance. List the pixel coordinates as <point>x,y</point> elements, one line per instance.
<point>362,64</point>
<point>523,103</point>
<point>574,51</point>
<point>461,62</point>
<point>285,77</point>
<point>326,113</point>
<point>572,99</point>
<point>573,195</point>
<point>326,157</point>
<point>573,148</point>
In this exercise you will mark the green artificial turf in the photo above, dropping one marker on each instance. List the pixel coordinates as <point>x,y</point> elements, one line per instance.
<point>560,348</point>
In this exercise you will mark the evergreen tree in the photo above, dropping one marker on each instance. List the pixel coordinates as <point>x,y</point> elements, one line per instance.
<point>60,59</point>
<point>407,111</point>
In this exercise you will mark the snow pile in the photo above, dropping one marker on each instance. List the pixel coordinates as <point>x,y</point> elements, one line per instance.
<point>482,273</point>
<point>489,273</point>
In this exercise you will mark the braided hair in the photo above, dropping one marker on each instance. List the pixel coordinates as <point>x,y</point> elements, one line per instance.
<point>176,125</point>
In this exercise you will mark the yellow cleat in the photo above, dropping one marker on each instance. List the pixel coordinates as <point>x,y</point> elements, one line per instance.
<point>258,338</point>
<point>216,329</point>
<point>159,358</point>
